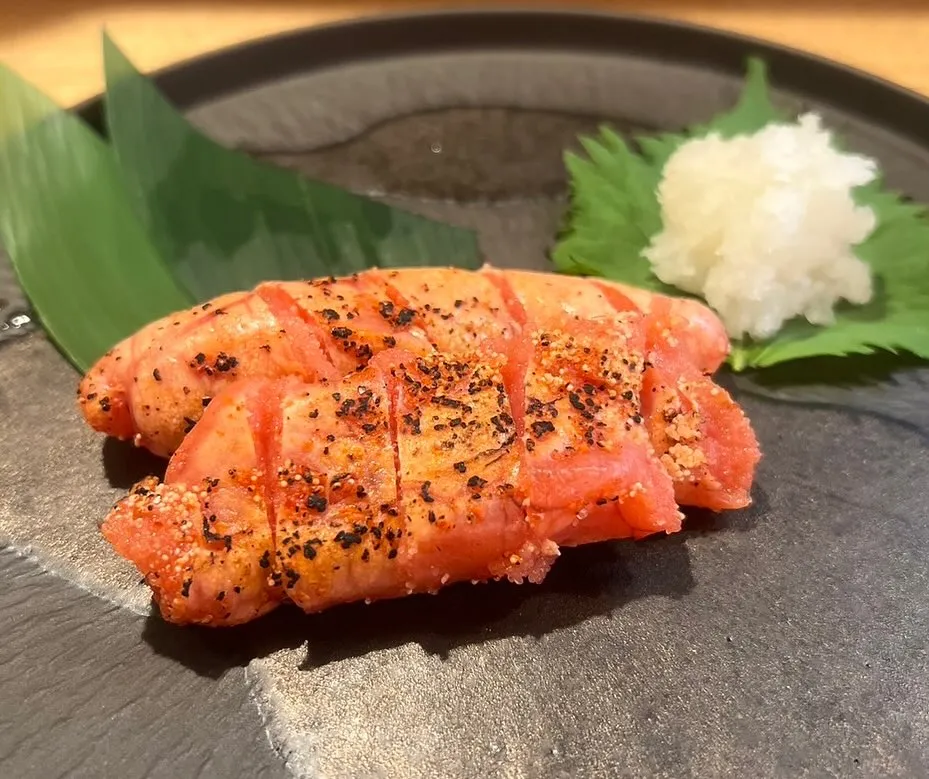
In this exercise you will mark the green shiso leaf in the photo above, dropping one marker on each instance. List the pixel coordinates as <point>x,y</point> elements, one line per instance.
<point>752,112</point>
<point>224,221</point>
<point>80,254</point>
<point>615,213</point>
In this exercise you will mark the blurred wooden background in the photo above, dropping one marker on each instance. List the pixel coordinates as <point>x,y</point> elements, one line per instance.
<point>56,43</point>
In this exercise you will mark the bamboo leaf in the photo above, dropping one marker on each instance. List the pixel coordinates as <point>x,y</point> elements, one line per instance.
<point>80,254</point>
<point>225,221</point>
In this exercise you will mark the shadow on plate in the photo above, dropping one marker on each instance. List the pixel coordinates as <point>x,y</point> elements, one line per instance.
<point>125,464</point>
<point>886,387</point>
<point>851,371</point>
<point>585,582</point>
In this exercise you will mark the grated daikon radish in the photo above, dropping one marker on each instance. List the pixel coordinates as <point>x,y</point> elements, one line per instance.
<point>764,226</point>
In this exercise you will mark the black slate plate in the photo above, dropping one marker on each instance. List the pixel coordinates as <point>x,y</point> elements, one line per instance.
<point>788,640</point>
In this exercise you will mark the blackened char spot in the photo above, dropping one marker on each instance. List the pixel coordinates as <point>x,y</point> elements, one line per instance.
<point>412,423</point>
<point>541,428</point>
<point>424,492</point>
<point>225,362</point>
<point>210,537</point>
<point>405,316</point>
<point>442,400</point>
<point>317,503</point>
<point>347,540</point>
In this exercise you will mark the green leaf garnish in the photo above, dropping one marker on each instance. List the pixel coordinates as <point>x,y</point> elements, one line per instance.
<point>106,238</point>
<point>79,252</point>
<point>225,221</point>
<point>615,213</point>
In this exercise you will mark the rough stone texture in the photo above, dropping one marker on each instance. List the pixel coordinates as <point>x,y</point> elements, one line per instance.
<point>87,693</point>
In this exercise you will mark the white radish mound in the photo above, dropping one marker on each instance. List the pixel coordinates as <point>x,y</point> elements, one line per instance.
<point>764,226</point>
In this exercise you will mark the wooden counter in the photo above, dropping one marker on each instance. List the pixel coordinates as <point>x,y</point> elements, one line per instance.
<point>56,43</point>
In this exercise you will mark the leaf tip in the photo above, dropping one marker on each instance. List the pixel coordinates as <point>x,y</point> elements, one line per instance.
<point>756,69</point>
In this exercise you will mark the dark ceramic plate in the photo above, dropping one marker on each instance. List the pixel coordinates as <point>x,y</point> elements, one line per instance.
<point>787,640</point>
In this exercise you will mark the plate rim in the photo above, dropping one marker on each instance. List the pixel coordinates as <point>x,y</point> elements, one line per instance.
<point>247,64</point>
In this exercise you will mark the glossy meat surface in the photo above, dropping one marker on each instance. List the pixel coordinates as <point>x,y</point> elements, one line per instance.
<point>153,387</point>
